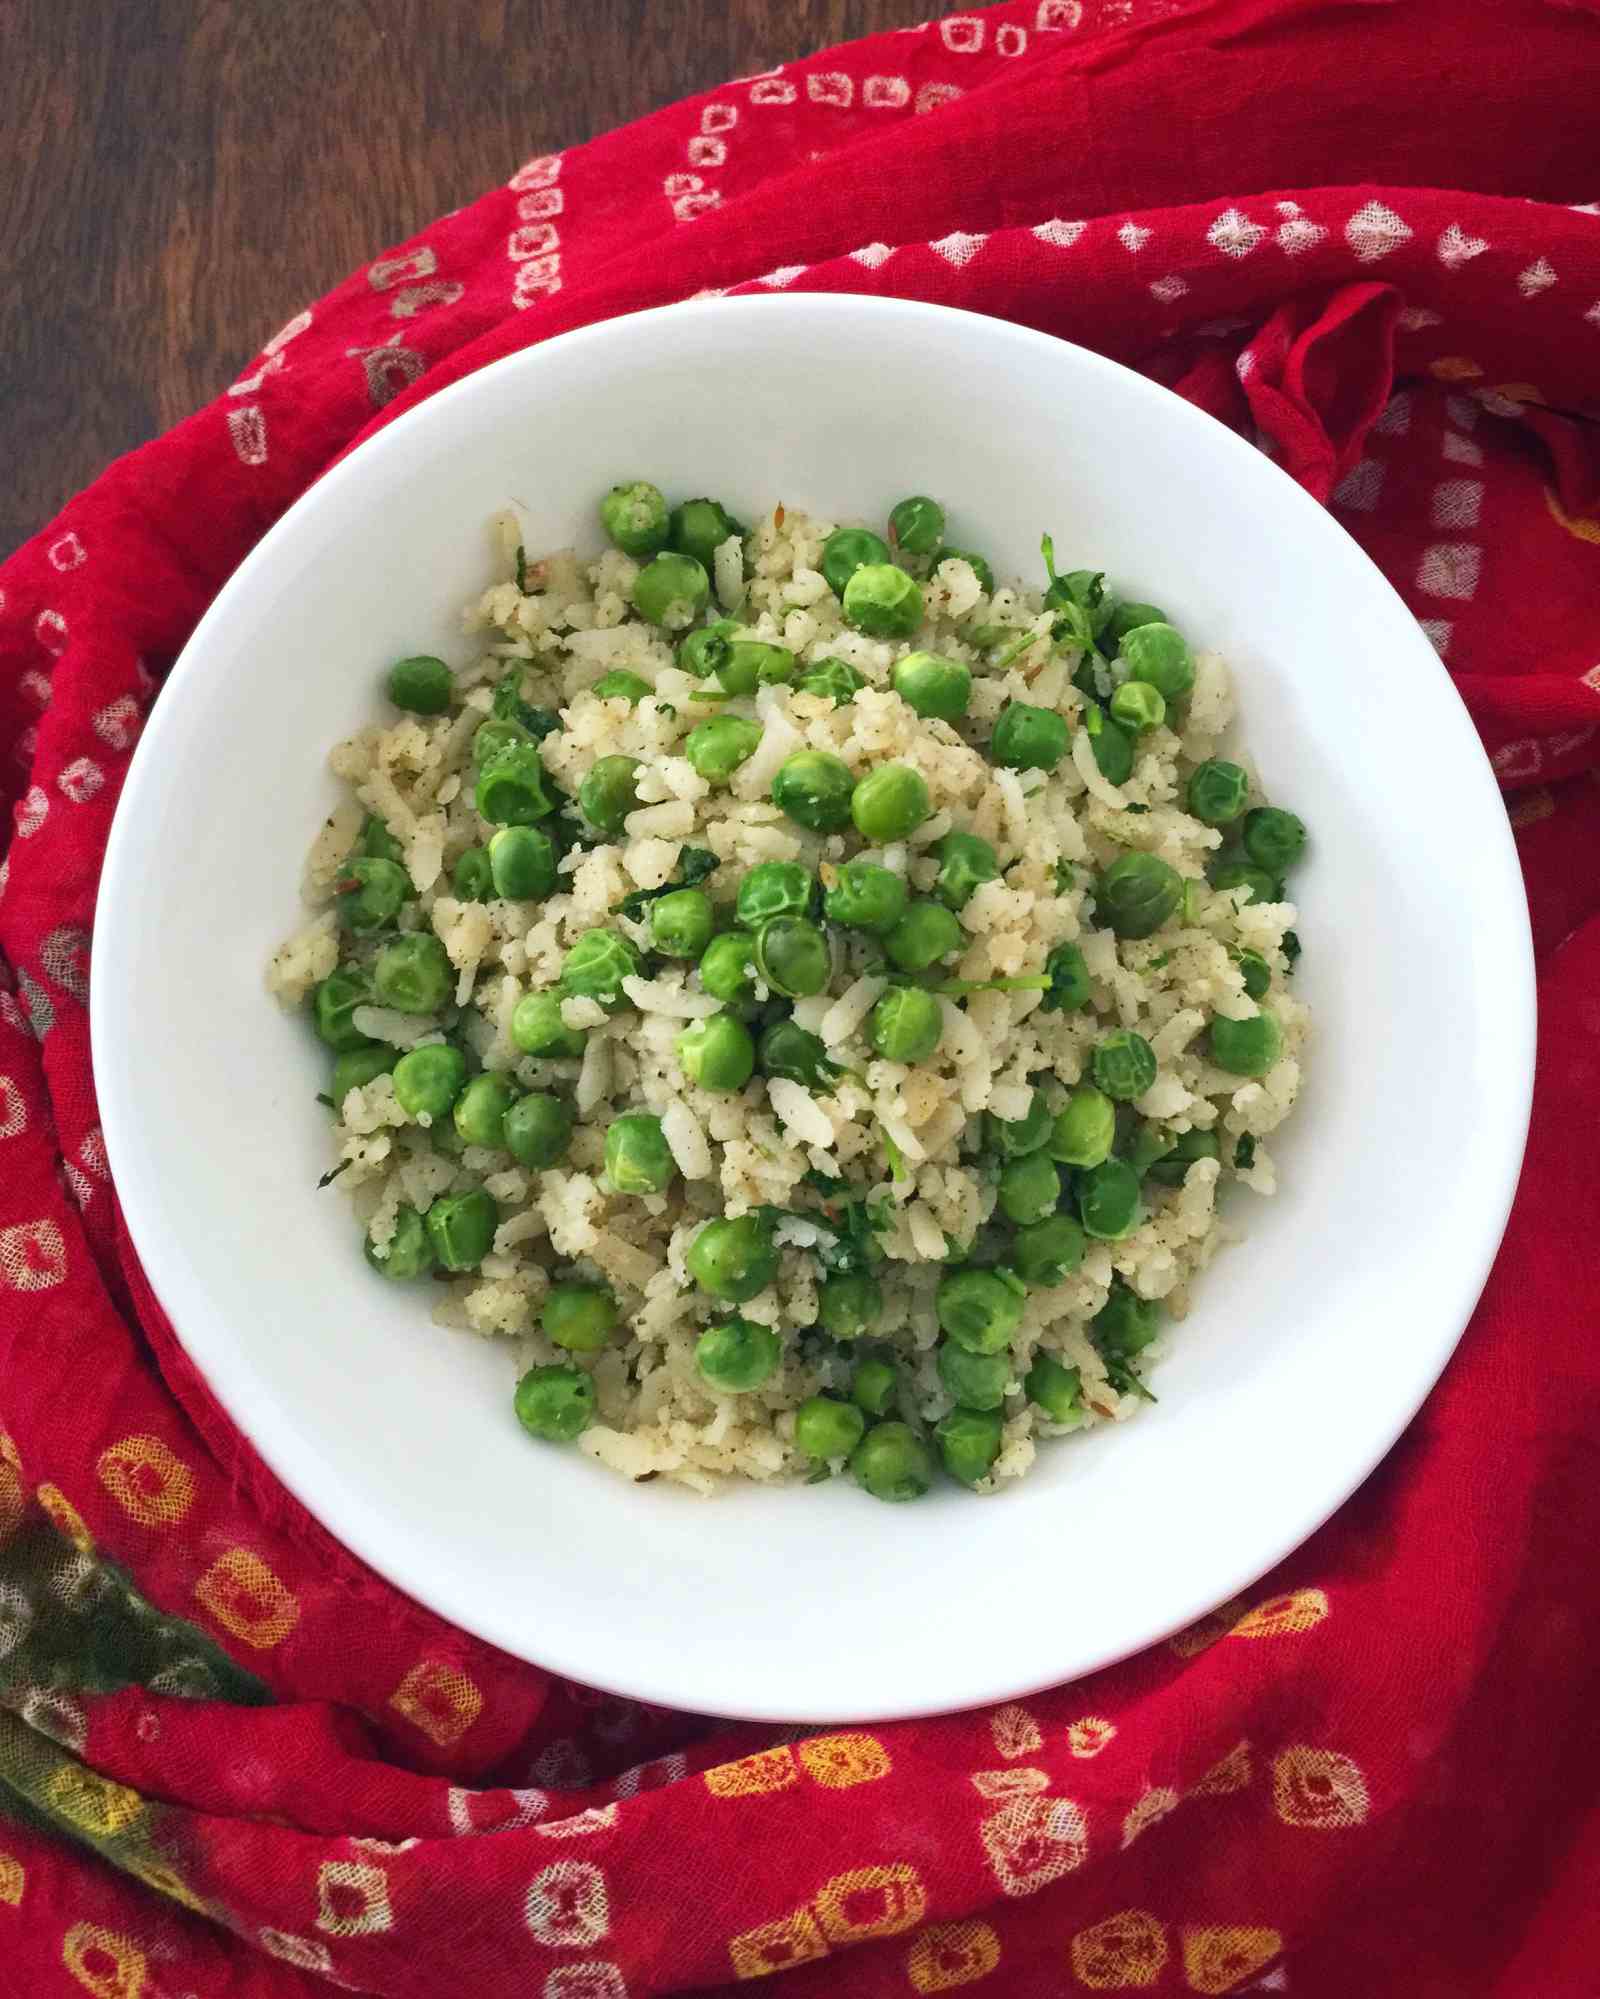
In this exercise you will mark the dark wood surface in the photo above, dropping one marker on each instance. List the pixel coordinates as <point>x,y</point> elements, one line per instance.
<point>177,177</point>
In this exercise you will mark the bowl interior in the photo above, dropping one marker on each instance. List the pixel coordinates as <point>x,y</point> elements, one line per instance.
<point>1311,1342</point>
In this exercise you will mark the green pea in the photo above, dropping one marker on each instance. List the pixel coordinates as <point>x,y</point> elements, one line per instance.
<point>792,956</point>
<point>514,788</point>
<point>1146,1148</point>
<point>407,1254</point>
<point>378,843</point>
<point>621,685</point>
<point>932,686</point>
<point>496,735</point>
<point>753,663</point>
<point>966,862</point>
<point>916,525</point>
<point>596,966</point>
<point>889,803</point>
<point>1084,1130</point>
<point>849,1304</point>
<point>702,652</point>
<point>975,563</point>
<point>334,1003</point>
<point>717,1054</point>
<point>610,792</point>
<point>1123,1064</point>
<point>814,789</point>
<point>979,1310</point>
<point>925,934</point>
<point>538,1029</point>
<point>845,550</point>
<point>635,517</point>
<point>976,1379</point>
<point>1071,988</point>
<point>774,888</point>
<point>1274,839</point>
<point>1258,885</point>
<point>1172,1168</point>
<point>1028,738</point>
<point>461,1229</point>
<point>738,1355</point>
<point>906,1025</point>
<point>579,1317</point>
<point>480,1110</point>
<point>638,1157</point>
<point>1137,706</point>
<point>789,1050</point>
<point>874,1384</point>
<point>833,679</point>
<point>1126,1323</point>
<point>555,1403</point>
<point>681,923</point>
<point>882,601</point>
<point>1056,1389</point>
<point>727,970</point>
<point>1160,655</point>
<point>1246,1047</point>
<point>717,747</point>
<point>537,1130</point>
<point>420,684</point>
<point>1217,792</point>
<point>1014,1138</point>
<point>671,591</point>
<point>1045,1252</point>
<point>370,895</point>
<point>1257,973</point>
<point>1130,616</point>
<point>428,1080</point>
<point>969,1443</point>
<point>826,1428</point>
<point>892,1463</point>
<point>864,896</point>
<point>413,974</point>
<point>1029,1188</point>
<point>1137,894</point>
<point>472,878</point>
<point>522,862</point>
<point>1108,1200</point>
<point>443,1137</point>
<point>734,1258</point>
<point>356,1068</point>
<point>700,527</point>
<point>1111,744</point>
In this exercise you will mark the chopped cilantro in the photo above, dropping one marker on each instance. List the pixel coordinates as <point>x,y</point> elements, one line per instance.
<point>1244,1153</point>
<point>694,864</point>
<point>1291,947</point>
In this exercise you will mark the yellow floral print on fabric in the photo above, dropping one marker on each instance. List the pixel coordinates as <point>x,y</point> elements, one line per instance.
<point>13,1879</point>
<point>1090,1734</point>
<point>792,1939</point>
<point>246,1598</point>
<point>441,1700</point>
<point>1154,1805</point>
<point>167,1881</point>
<point>65,1518</point>
<point>1283,1616</point>
<point>946,1955</point>
<point>1454,368</point>
<point>352,1899</point>
<point>1122,1953</point>
<point>1217,1960</point>
<point>13,1501</point>
<point>104,1963</point>
<point>1015,1731</point>
<point>1034,1841</point>
<point>840,1761</point>
<point>1318,1788</point>
<point>1021,1782</point>
<point>148,1481</point>
<point>92,1803</point>
<point>871,1902</point>
<point>1229,1773</point>
<point>753,1776</point>
<point>1581,526</point>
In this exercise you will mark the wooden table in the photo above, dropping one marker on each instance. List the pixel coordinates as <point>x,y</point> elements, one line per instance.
<point>180,175</point>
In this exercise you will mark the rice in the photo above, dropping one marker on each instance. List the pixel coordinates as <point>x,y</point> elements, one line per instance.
<point>873,1162</point>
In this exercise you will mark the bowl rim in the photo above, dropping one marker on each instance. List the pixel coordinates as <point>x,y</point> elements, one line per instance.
<point>116,921</point>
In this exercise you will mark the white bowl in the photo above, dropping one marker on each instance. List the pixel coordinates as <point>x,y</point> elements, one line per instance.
<point>1310,1346</point>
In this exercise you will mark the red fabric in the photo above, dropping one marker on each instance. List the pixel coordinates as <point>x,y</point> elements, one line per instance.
<point>1349,230</point>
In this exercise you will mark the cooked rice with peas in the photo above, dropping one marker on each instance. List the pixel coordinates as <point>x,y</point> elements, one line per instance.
<point>803,997</point>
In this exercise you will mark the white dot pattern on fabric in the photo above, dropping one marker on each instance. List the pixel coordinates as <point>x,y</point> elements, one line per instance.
<point>1374,231</point>
<point>1058,16</point>
<point>1234,234</point>
<point>1297,233</point>
<point>886,93</point>
<point>50,629</point>
<point>30,812</point>
<point>1456,503</point>
<point>36,687</point>
<point>1437,632</point>
<point>567,1907</point>
<point>783,276</point>
<point>831,87</point>
<point>33,1256</point>
<point>958,248</point>
<point>1361,486</point>
<point>872,254</point>
<point>704,152</point>
<point>67,553</point>
<point>1463,411</point>
<point>934,95</point>
<point>586,1981</point>
<point>1570,740</point>
<point>1133,236</point>
<point>1538,277</point>
<point>1450,569</point>
<point>1394,419</point>
<point>13,1111</point>
<point>773,90</point>
<point>247,430</point>
<point>1416,318</point>
<point>963,34</point>
<point>534,246</point>
<point>353,1899</point>
<point>304,1952</point>
<point>596,1818</point>
<point>1060,235</point>
<point>1170,288</point>
<point>469,1813</point>
<point>1455,247</point>
<point>642,1775</point>
<point>1515,761</point>
<point>1593,314</point>
<point>80,780</point>
<point>1461,450</point>
<point>1010,40</point>
<point>715,118</point>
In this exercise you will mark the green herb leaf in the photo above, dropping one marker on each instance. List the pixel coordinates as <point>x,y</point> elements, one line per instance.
<point>522,569</point>
<point>329,1177</point>
<point>896,1158</point>
<point>694,865</point>
<point>1065,876</point>
<point>1244,1153</point>
<point>322,1098</point>
<point>1291,947</point>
